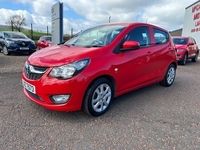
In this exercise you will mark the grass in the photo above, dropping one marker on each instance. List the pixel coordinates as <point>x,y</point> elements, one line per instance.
<point>27,32</point>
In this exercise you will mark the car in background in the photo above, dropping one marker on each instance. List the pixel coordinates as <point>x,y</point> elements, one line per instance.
<point>186,49</point>
<point>44,41</point>
<point>101,63</point>
<point>16,42</point>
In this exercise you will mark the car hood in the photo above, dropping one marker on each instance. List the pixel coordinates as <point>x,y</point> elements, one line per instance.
<point>58,55</point>
<point>180,46</point>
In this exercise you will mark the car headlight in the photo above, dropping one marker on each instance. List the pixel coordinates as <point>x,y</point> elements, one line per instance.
<point>32,42</point>
<point>10,42</point>
<point>69,70</point>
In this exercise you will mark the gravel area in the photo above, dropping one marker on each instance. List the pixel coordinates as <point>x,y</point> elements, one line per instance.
<point>150,118</point>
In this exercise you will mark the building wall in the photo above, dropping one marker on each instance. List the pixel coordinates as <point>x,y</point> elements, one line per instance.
<point>192,22</point>
<point>176,32</point>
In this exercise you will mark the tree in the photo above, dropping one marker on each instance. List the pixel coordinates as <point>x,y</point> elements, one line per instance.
<point>16,22</point>
<point>10,23</point>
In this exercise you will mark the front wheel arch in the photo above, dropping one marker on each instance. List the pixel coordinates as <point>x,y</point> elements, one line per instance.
<point>106,77</point>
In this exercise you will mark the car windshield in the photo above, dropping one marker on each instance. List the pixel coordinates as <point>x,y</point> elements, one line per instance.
<point>14,35</point>
<point>180,41</point>
<point>96,37</point>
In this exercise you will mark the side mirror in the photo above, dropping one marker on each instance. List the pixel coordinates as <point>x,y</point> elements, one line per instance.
<point>130,45</point>
<point>1,37</point>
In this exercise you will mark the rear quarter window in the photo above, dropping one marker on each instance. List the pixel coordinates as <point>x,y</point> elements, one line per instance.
<point>161,37</point>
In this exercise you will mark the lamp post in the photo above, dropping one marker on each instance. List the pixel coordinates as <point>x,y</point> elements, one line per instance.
<point>109,19</point>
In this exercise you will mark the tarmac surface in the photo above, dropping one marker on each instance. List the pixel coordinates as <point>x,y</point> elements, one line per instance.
<point>154,117</point>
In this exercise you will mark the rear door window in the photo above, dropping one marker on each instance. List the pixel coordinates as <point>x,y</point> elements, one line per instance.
<point>161,37</point>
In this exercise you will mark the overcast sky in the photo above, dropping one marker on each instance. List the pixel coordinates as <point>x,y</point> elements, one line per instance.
<point>81,14</point>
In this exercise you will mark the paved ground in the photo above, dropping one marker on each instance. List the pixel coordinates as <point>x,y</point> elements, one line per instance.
<point>151,118</point>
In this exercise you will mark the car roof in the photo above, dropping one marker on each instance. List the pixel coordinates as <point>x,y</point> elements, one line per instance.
<point>129,24</point>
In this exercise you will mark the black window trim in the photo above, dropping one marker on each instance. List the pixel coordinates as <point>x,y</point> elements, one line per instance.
<point>118,47</point>
<point>148,31</point>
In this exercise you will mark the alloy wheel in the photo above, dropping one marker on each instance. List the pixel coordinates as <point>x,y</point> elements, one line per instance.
<point>171,75</point>
<point>101,97</point>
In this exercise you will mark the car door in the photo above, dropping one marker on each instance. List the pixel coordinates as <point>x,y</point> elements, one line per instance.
<point>134,69</point>
<point>161,52</point>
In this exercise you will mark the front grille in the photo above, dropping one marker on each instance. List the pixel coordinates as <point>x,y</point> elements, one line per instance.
<point>23,43</point>
<point>34,95</point>
<point>34,72</point>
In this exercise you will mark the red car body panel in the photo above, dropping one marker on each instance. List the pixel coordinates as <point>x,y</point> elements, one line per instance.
<point>42,43</point>
<point>181,51</point>
<point>129,70</point>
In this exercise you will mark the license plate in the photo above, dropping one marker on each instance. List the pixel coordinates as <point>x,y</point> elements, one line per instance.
<point>24,48</point>
<point>28,86</point>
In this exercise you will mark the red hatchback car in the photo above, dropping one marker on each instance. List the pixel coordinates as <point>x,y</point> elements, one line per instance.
<point>44,41</point>
<point>101,63</point>
<point>186,49</point>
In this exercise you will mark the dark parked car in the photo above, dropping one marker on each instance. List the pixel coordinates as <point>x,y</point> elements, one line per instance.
<point>16,42</point>
<point>44,41</point>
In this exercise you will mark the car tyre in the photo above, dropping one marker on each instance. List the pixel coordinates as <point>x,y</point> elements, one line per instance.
<point>169,76</point>
<point>184,61</point>
<point>195,59</point>
<point>98,97</point>
<point>5,50</point>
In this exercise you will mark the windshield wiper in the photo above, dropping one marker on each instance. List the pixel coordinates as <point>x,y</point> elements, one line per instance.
<point>69,45</point>
<point>88,46</point>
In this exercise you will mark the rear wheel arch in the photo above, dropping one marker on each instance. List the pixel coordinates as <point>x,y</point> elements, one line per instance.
<point>175,64</point>
<point>165,82</point>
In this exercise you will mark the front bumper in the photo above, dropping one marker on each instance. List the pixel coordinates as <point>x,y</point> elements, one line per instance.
<point>19,49</point>
<point>47,87</point>
<point>180,57</point>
